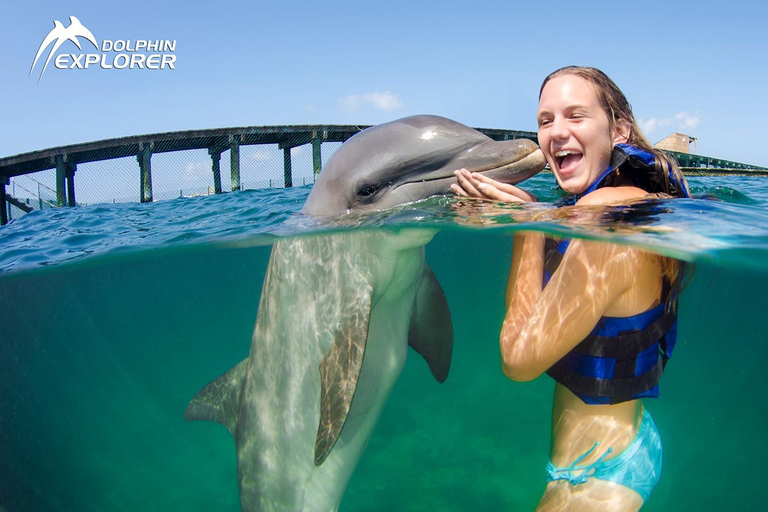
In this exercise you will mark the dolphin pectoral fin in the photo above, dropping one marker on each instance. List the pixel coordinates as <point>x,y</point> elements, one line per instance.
<point>219,401</point>
<point>339,371</point>
<point>431,330</point>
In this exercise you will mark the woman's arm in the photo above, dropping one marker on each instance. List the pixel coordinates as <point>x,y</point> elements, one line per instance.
<point>541,326</point>
<point>526,272</point>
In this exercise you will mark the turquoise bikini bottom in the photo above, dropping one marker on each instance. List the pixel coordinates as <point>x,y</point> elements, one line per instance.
<point>638,467</point>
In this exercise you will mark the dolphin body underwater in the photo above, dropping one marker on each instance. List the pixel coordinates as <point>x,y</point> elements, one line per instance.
<point>338,311</point>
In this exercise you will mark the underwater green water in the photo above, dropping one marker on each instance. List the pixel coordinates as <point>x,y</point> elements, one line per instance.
<point>111,319</point>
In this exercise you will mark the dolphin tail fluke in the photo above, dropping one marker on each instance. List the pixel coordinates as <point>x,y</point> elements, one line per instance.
<point>339,372</point>
<point>431,330</point>
<point>219,400</point>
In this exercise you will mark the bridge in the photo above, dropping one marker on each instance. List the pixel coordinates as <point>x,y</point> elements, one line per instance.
<point>215,142</point>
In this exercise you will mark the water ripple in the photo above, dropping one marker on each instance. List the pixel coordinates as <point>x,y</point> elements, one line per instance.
<point>727,220</point>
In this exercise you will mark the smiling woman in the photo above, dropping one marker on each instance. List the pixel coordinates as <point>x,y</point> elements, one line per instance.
<point>577,113</point>
<point>599,318</point>
<point>575,135</point>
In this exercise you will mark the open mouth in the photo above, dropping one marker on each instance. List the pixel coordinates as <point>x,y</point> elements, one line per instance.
<point>566,159</point>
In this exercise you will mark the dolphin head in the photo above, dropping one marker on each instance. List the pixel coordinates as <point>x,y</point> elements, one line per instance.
<point>411,159</point>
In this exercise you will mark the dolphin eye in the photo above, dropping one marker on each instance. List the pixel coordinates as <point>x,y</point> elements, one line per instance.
<point>368,190</point>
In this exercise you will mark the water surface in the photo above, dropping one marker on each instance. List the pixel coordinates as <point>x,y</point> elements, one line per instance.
<point>112,317</point>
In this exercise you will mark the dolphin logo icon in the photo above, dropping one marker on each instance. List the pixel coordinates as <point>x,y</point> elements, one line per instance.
<point>60,34</point>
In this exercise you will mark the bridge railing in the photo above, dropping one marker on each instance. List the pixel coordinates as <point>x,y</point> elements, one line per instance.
<point>160,166</point>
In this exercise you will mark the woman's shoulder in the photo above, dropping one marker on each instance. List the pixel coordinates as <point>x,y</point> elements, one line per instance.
<point>611,195</point>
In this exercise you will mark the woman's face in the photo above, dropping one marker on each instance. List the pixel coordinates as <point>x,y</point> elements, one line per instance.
<point>575,133</point>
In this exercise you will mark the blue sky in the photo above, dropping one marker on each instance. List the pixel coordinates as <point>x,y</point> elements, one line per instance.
<point>698,68</point>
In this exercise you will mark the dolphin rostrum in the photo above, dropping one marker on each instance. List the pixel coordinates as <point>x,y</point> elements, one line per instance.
<point>338,311</point>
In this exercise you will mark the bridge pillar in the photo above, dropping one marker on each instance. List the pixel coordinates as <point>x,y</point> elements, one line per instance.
<point>216,168</point>
<point>4,212</point>
<point>61,192</point>
<point>287,174</point>
<point>70,174</point>
<point>234,161</point>
<point>65,181</point>
<point>317,161</point>
<point>145,171</point>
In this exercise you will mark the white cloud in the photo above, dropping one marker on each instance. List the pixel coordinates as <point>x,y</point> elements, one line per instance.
<point>195,171</point>
<point>687,122</point>
<point>381,100</point>
<point>272,153</point>
<point>649,125</point>
<point>261,156</point>
<point>681,121</point>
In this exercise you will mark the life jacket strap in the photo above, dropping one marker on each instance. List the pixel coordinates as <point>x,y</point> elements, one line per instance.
<point>609,391</point>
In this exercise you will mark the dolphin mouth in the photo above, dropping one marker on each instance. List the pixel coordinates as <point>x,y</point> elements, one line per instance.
<point>510,172</point>
<point>515,172</point>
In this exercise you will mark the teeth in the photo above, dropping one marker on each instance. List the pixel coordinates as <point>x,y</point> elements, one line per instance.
<point>563,153</point>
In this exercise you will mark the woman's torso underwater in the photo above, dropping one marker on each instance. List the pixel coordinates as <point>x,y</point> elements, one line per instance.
<point>577,426</point>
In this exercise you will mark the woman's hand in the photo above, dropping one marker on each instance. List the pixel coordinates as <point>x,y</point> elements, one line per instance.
<point>473,184</point>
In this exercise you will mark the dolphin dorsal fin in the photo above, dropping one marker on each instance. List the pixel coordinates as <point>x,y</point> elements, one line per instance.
<point>339,372</point>
<point>219,401</point>
<point>431,330</point>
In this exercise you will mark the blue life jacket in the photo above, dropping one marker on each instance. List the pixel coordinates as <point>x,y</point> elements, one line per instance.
<point>622,358</point>
<point>639,166</point>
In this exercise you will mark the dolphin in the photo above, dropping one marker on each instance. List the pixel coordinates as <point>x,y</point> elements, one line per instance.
<point>414,158</point>
<point>337,313</point>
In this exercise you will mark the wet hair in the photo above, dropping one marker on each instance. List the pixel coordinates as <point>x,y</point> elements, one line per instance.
<point>618,108</point>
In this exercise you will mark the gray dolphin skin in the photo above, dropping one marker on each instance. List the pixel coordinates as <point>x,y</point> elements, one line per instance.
<point>337,314</point>
<point>414,158</point>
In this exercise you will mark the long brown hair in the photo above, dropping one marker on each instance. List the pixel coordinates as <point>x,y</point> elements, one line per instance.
<point>617,107</point>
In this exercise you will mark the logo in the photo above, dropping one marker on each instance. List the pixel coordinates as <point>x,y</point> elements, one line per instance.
<point>115,54</point>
